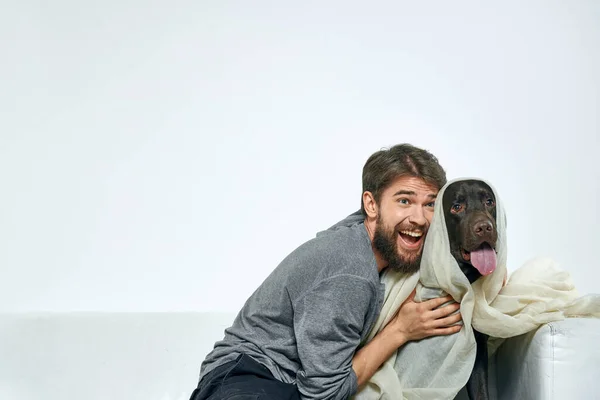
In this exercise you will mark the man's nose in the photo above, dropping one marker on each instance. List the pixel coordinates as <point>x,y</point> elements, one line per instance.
<point>418,216</point>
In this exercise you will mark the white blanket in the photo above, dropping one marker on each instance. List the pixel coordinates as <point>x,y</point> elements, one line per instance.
<point>438,367</point>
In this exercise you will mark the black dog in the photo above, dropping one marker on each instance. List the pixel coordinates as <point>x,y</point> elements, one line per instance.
<point>470,214</point>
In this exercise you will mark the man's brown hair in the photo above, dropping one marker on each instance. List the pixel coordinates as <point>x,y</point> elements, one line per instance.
<point>386,165</point>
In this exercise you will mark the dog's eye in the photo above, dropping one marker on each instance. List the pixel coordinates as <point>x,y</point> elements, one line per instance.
<point>457,208</point>
<point>489,202</point>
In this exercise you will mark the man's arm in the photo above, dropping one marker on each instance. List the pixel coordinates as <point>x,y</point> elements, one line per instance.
<point>328,322</point>
<point>413,321</point>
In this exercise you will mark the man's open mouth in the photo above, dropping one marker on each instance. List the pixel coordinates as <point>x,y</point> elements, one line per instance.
<point>411,239</point>
<point>482,258</point>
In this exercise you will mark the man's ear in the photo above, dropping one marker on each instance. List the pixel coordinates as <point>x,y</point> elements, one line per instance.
<point>370,205</point>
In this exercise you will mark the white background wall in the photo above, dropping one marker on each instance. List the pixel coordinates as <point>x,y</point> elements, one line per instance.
<point>166,155</point>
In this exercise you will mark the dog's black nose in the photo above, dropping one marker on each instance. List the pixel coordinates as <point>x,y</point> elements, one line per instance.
<point>483,227</point>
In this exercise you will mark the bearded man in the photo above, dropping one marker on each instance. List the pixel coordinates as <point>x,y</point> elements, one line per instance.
<point>302,333</point>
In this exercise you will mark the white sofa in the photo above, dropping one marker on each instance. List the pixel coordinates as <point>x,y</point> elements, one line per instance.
<point>156,356</point>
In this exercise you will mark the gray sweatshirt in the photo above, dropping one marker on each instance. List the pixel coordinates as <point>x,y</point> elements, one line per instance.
<point>307,319</point>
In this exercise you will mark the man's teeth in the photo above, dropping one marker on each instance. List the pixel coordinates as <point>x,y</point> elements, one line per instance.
<point>413,234</point>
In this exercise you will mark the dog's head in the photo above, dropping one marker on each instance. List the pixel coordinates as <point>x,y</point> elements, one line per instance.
<point>470,214</point>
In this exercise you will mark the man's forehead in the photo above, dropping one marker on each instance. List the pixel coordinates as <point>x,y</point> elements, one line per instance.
<point>410,185</point>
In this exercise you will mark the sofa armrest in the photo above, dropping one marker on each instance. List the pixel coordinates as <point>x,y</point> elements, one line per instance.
<point>560,360</point>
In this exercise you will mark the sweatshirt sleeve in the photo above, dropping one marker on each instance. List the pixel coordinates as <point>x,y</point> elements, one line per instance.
<point>328,322</point>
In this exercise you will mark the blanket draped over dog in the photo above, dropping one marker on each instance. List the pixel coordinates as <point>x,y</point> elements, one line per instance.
<point>438,367</point>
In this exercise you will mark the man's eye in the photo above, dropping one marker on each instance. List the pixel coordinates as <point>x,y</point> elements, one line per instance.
<point>489,202</point>
<point>403,201</point>
<point>432,204</point>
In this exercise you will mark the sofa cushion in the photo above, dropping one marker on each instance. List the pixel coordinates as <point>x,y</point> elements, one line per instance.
<point>561,360</point>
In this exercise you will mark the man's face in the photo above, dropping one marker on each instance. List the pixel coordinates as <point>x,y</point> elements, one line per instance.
<point>405,212</point>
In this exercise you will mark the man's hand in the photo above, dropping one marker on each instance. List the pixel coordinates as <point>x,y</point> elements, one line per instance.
<point>415,321</point>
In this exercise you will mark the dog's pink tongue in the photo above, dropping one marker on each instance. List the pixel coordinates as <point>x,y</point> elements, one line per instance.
<point>484,259</point>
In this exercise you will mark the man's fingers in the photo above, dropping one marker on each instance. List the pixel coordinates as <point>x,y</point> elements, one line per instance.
<point>450,320</point>
<point>446,331</point>
<point>434,303</point>
<point>444,311</point>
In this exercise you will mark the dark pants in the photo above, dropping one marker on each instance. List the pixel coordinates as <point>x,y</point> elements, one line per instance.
<point>243,379</point>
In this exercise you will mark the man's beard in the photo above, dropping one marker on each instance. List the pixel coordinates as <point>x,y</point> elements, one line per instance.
<point>386,243</point>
